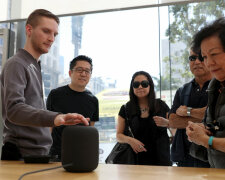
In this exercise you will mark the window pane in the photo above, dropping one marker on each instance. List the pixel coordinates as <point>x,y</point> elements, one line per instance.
<point>185,21</point>
<point>120,43</point>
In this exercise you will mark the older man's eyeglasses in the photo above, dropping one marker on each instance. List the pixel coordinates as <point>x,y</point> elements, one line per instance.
<point>144,84</point>
<point>193,58</point>
<point>81,70</point>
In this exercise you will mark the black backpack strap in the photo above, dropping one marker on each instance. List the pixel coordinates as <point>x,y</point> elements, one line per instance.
<point>178,146</point>
<point>185,92</point>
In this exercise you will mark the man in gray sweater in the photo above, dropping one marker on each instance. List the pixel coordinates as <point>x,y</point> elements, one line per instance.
<point>26,121</point>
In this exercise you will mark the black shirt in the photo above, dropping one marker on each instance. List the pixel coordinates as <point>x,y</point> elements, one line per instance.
<point>198,97</point>
<point>154,138</point>
<point>66,100</point>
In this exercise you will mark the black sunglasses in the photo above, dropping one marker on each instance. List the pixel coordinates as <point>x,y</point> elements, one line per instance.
<point>144,84</point>
<point>193,58</point>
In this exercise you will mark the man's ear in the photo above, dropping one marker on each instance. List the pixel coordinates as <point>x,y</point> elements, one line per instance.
<point>29,29</point>
<point>70,72</point>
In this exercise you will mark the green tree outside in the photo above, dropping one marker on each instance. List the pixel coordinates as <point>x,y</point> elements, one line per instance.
<point>186,21</point>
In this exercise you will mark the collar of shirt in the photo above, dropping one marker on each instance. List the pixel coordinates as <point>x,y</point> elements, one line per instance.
<point>196,85</point>
<point>30,57</point>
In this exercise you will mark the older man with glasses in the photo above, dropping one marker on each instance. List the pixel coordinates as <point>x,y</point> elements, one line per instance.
<point>73,97</point>
<point>189,104</point>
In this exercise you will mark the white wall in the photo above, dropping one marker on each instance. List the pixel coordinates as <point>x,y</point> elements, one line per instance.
<point>3,9</point>
<point>20,9</point>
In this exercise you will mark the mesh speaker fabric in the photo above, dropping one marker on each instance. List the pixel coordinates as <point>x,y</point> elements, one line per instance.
<point>80,148</point>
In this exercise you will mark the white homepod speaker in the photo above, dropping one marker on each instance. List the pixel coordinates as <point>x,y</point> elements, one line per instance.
<point>80,148</point>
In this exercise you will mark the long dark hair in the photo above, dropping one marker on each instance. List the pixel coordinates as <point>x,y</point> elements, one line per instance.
<point>134,105</point>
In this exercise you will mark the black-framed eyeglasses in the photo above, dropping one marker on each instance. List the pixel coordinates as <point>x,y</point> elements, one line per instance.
<point>193,58</point>
<point>81,70</point>
<point>144,84</point>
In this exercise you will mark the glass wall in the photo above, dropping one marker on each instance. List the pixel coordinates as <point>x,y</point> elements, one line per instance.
<point>156,40</point>
<point>20,9</point>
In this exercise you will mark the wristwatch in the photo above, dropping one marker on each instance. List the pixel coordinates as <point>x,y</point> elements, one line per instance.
<point>189,111</point>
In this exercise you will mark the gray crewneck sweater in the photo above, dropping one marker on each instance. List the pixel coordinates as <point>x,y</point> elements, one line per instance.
<point>26,121</point>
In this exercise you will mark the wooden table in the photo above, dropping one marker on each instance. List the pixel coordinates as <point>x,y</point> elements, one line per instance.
<point>10,170</point>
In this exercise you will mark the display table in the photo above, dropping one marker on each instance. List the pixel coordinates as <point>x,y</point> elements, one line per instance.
<point>14,169</point>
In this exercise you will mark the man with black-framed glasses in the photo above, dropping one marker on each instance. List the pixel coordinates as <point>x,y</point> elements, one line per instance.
<point>72,98</point>
<point>189,104</point>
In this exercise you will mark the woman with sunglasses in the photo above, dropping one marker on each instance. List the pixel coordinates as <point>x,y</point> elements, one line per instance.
<point>150,143</point>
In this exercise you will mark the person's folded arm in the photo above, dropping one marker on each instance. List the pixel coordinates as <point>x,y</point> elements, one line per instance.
<point>194,112</point>
<point>198,113</point>
<point>181,122</point>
